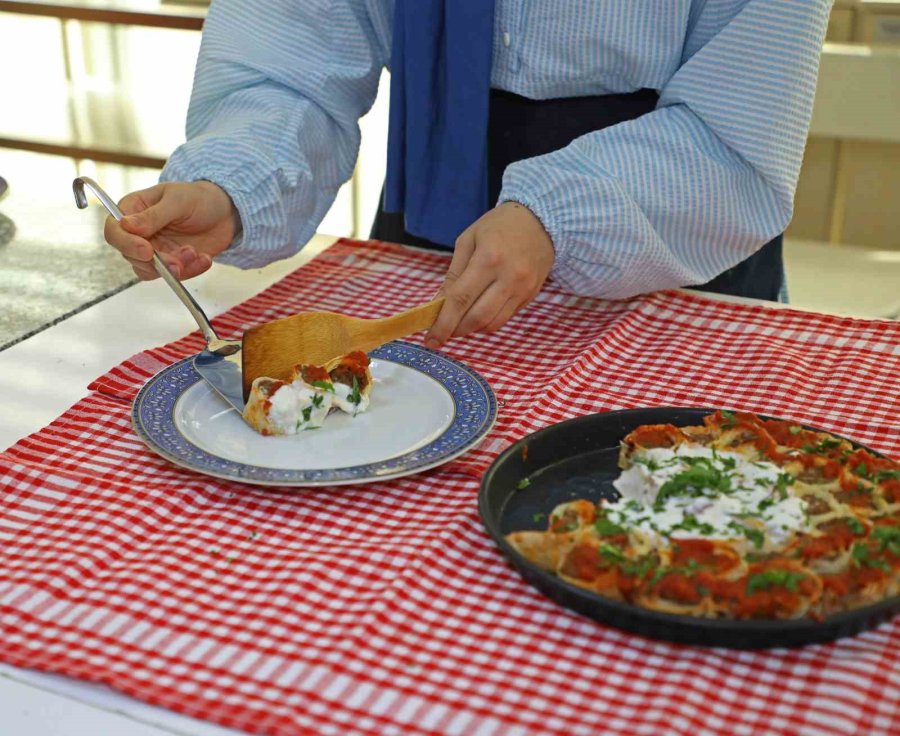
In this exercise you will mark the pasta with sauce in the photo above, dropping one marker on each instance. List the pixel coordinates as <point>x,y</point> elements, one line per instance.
<point>741,518</point>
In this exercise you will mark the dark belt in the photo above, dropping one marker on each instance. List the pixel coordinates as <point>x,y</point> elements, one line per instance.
<point>520,128</point>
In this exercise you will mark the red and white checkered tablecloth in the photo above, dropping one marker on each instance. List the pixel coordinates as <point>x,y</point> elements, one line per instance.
<point>386,608</point>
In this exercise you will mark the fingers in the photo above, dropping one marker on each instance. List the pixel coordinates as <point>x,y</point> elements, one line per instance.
<point>500,263</point>
<point>506,312</point>
<point>193,263</point>
<point>150,210</point>
<point>145,213</point>
<point>462,254</point>
<point>133,247</point>
<point>131,244</point>
<point>184,263</point>
<point>459,295</point>
<point>146,270</point>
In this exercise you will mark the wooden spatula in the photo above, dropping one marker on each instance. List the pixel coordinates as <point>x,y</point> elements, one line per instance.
<point>274,348</point>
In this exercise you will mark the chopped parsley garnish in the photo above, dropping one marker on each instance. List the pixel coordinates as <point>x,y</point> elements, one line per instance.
<point>691,524</point>
<point>781,484</point>
<point>856,526</point>
<point>522,484</point>
<point>639,568</point>
<point>687,570</point>
<point>538,517</point>
<point>888,538</point>
<point>355,396</point>
<point>822,447</point>
<point>774,578</point>
<point>794,429</point>
<point>701,475</point>
<point>555,521</point>
<point>861,470</point>
<point>307,413</point>
<point>754,535</point>
<point>648,462</point>
<point>324,385</point>
<point>607,528</point>
<point>887,475</point>
<point>658,574</point>
<point>317,401</point>
<point>612,552</point>
<point>729,418</point>
<point>862,556</point>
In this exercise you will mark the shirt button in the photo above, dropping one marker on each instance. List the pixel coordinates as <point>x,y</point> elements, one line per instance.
<point>506,39</point>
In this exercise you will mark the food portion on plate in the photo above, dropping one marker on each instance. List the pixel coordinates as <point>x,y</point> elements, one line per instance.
<point>740,518</point>
<point>304,401</point>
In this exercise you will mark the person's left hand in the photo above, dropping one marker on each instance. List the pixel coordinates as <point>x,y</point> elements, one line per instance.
<point>499,265</point>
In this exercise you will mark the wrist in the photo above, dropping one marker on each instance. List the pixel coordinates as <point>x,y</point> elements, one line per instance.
<point>224,203</point>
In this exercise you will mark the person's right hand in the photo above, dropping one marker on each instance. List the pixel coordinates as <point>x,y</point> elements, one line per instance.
<point>187,223</point>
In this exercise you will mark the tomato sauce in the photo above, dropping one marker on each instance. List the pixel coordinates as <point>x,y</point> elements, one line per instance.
<point>837,537</point>
<point>657,435</point>
<point>890,488</point>
<point>584,562</point>
<point>311,373</point>
<point>704,553</point>
<point>872,463</point>
<point>851,580</point>
<point>357,362</point>
<point>678,587</point>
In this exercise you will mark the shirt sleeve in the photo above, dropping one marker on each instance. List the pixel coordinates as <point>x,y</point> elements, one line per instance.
<point>274,113</point>
<point>692,188</point>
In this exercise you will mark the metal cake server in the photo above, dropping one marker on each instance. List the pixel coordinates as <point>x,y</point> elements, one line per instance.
<point>220,363</point>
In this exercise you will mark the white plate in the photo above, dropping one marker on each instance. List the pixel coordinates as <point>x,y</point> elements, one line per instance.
<point>426,409</point>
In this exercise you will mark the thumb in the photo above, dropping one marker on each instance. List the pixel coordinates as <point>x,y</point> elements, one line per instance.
<point>154,218</point>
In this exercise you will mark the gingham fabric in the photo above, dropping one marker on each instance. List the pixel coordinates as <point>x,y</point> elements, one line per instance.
<point>386,608</point>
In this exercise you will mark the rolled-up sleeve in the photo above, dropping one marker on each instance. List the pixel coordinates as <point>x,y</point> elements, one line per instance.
<point>689,190</point>
<point>274,113</point>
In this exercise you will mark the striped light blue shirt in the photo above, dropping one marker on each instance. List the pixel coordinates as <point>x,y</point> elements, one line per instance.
<point>670,199</point>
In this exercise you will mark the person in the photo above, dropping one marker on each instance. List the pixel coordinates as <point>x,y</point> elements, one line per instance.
<point>614,147</point>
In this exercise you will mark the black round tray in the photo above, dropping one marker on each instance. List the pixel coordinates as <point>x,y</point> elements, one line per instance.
<point>578,458</point>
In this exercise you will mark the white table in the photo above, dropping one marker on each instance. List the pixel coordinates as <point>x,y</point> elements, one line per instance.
<point>80,349</point>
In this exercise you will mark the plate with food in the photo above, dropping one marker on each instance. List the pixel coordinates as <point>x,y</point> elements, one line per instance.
<point>702,526</point>
<point>399,410</point>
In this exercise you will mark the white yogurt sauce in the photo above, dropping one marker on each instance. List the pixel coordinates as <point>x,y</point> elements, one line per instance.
<point>313,404</point>
<point>297,406</point>
<point>695,491</point>
<point>344,399</point>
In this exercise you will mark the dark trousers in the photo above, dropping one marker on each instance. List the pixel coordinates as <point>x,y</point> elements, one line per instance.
<point>520,128</point>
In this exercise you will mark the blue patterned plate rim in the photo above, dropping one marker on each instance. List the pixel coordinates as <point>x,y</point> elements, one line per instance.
<point>153,417</point>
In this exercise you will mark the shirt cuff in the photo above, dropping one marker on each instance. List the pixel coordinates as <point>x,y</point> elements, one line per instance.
<point>253,191</point>
<point>547,204</point>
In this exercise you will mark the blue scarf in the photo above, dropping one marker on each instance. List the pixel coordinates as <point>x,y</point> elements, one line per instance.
<point>437,130</point>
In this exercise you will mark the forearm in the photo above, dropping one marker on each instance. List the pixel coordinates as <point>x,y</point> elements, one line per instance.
<point>681,194</point>
<point>654,204</point>
<point>274,114</point>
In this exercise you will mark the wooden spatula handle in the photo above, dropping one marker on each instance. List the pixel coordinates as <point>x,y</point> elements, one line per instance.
<point>400,325</point>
